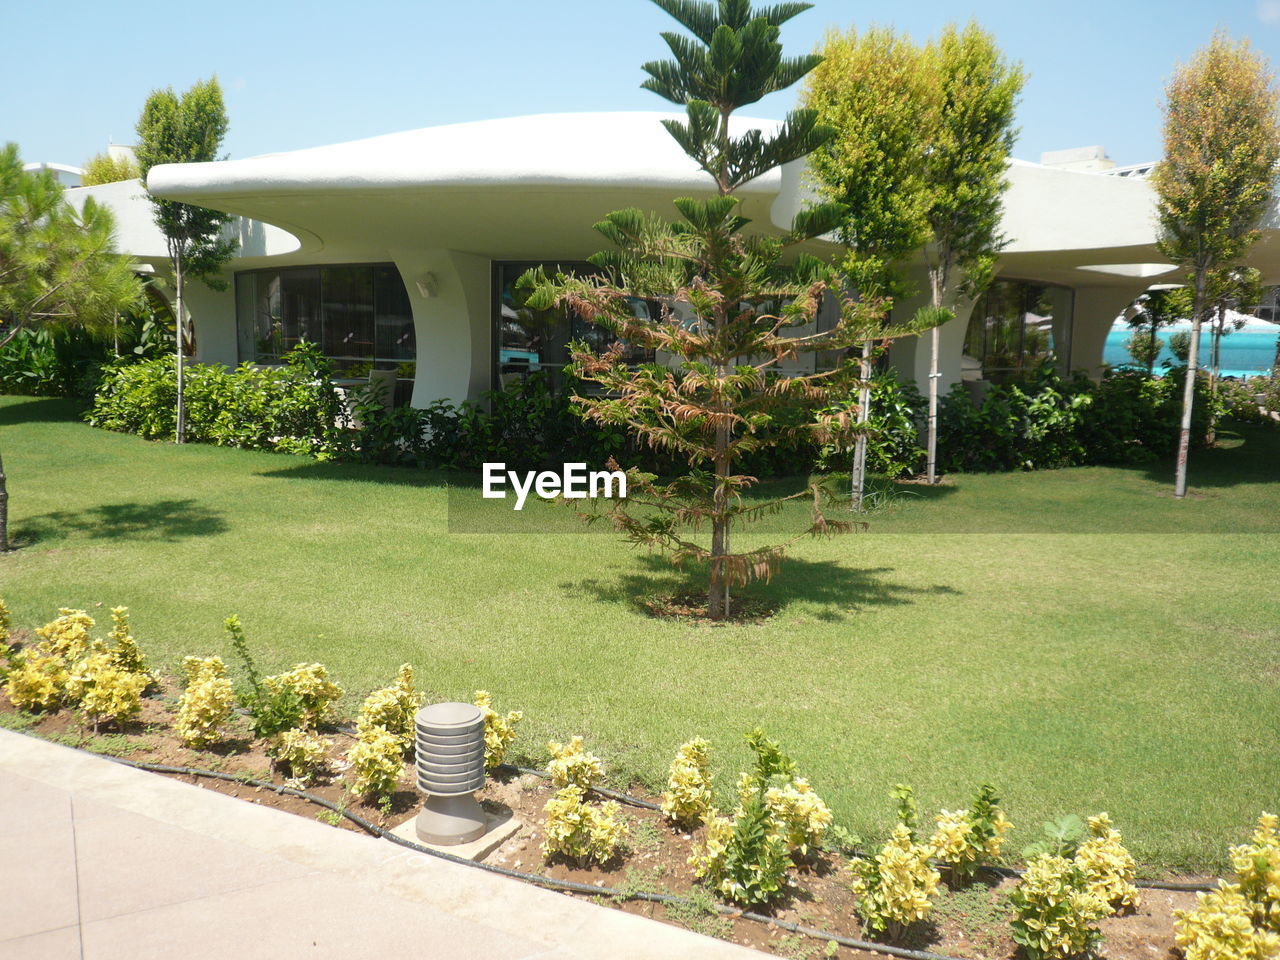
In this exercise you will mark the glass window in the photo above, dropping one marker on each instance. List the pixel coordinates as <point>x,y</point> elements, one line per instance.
<point>528,341</point>
<point>359,315</point>
<point>1016,326</point>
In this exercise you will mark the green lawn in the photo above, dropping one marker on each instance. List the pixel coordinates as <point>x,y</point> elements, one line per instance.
<point>1077,637</point>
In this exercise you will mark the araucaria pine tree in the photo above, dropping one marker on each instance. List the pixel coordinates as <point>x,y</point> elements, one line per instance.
<point>733,309</point>
<point>1217,179</point>
<point>186,129</point>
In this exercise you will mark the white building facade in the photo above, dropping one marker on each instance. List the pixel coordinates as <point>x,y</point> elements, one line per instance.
<point>399,252</point>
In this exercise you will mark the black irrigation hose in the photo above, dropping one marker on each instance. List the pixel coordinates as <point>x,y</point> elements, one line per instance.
<point>611,794</point>
<point>571,886</point>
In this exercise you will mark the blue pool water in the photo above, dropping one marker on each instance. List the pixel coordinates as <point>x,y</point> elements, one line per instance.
<point>1245,353</point>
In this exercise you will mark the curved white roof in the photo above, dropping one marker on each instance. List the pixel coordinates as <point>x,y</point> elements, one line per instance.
<point>630,150</point>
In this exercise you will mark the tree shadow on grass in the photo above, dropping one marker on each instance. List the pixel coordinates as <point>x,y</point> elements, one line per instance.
<point>1247,453</point>
<point>40,410</point>
<point>162,520</point>
<point>839,591</point>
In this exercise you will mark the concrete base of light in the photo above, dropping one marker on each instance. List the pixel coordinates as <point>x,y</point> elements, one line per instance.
<point>498,829</point>
<point>449,821</point>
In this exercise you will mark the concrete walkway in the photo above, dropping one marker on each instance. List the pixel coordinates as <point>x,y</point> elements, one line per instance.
<point>100,861</point>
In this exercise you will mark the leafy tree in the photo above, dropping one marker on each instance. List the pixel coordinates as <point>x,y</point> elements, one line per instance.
<point>733,311</point>
<point>104,168</point>
<point>57,266</point>
<point>1217,178</point>
<point>966,158</point>
<point>1235,290</point>
<point>1156,309</point>
<point>186,129</point>
<point>1144,347</point>
<point>1180,347</point>
<point>878,91</point>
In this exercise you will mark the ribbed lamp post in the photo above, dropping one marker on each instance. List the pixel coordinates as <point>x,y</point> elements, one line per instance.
<point>450,765</point>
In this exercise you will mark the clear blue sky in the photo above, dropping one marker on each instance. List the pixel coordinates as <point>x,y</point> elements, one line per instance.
<point>307,74</point>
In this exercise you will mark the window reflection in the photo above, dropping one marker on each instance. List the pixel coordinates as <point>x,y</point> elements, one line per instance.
<point>359,314</point>
<point>1015,327</point>
<point>537,341</point>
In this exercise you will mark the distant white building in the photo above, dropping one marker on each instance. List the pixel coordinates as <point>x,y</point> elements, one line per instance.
<point>400,251</point>
<point>64,173</point>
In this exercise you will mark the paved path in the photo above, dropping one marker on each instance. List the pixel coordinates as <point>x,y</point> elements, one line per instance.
<point>100,861</point>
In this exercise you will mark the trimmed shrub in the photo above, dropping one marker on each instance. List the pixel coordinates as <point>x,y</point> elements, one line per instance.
<point>689,795</point>
<point>499,731</point>
<point>895,888</point>
<point>393,708</point>
<point>377,760</point>
<point>571,765</point>
<point>208,703</point>
<point>1056,915</point>
<point>579,830</point>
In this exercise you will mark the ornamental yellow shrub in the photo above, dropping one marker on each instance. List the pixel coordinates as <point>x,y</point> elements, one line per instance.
<point>1108,865</point>
<point>895,888</point>
<point>689,796</point>
<point>572,765</point>
<point>1056,915</point>
<point>965,840</point>
<point>37,682</point>
<point>310,683</point>
<point>579,830</point>
<point>499,731</point>
<point>798,815</point>
<point>6,623</point>
<point>1222,928</point>
<point>393,708</point>
<point>208,703</point>
<point>1257,867</point>
<point>124,648</point>
<point>302,752</point>
<point>377,761</point>
<point>106,692</point>
<point>67,636</point>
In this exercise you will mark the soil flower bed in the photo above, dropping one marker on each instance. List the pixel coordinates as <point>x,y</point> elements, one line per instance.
<point>969,922</point>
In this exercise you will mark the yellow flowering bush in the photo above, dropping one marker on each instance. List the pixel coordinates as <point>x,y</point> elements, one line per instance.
<point>208,703</point>
<point>310,684</point>
<point>895,888</point>
<point>499,731</point>
<point>36,682</point>
<point>1056,914</point>
<point>106,692</point>
<point>302,752</point>
<point>124,648</point>
<point>1222,928</point>
<point>67,636</point>
<point>742,859</point>
<point>798,815</point>
<point>572,765</point>
<point>1257,867</point>
<point>393,708</point>
<point>688,797</point>
<point>377,761</point>
<point>1108,866</point>
<point>579,830</point>
<point>965,840</point>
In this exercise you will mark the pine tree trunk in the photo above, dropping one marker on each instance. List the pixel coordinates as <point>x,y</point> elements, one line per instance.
<point>1189,392</point>
<point>179,327</point>
<point>718,588</point>
<point>937,278</point>
<point>4,509</point>
<point>858,472</point>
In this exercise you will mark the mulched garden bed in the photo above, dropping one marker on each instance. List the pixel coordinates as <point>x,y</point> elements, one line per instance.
<point>967,923</point>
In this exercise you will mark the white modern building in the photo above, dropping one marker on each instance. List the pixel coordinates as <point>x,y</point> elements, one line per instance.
<point>400,251</point>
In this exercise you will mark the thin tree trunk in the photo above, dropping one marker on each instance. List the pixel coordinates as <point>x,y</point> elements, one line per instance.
<point>937,279</point>
<point>718,589</point>
<point>1154,349</point>
<point>4,509</point>
<point>1189,393</point>
<point>179,326</point>
<point>1215,357</point>
<point>858,472</point>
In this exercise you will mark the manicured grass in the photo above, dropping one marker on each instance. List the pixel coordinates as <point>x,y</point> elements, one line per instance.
<point>1076,637</point>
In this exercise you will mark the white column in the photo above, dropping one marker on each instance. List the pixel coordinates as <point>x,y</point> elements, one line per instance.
<point>1095,309</point>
